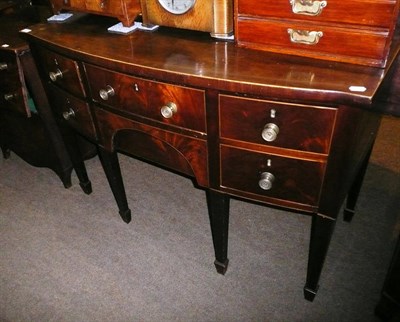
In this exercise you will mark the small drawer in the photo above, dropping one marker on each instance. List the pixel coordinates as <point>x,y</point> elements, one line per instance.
<point>271,176</point>
<point>13,94</point>
<point>174,105</point>
<point>372,13</point>
<point>291,126</point>
<point>61,71</point>
<point>321,41</point>
<point>75,112</point>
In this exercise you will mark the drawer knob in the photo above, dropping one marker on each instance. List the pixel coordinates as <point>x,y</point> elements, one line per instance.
<point>106,93</point>
<point>168,110</point>
<point>9,97</point>
<point>68,114</point>
<point>308,7</point>
<point>3,66</point>
<point>266,180</point>
<point>55,75</point>
<point>270,132</point>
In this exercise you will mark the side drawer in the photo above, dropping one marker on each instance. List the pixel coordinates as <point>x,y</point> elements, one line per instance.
<point>298,127</point>
<point>13,94</point>
<point>75,112</point>
<point>61,71</point>
<point>372,13</point>
<point>149,99</point>
<point>293,180</point>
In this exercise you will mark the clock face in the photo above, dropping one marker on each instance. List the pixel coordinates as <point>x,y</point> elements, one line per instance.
<point>177,7</point>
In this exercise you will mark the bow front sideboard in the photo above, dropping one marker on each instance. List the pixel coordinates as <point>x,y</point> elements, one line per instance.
<point>282,131</point>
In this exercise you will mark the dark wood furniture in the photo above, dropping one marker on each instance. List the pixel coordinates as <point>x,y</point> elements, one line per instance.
<point>283,131</point>
<point>124,10</point>
<point>27,125</point>
<point>347,31</point>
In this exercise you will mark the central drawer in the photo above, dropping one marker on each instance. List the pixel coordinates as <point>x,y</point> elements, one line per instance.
<point>290,126</point>
<point>171,104</point>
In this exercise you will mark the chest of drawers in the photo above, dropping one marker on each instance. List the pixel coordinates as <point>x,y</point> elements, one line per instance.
<point>287,133</point>
<point>353,31</point>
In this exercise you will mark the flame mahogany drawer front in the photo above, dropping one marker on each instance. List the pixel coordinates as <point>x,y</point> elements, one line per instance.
<point>170,104</point>
<point>61,71</point>
<point>358,32</point>
<point>75,112</point>
<point>266,177</point>
<point>12,94</point>
<point>290,126</point>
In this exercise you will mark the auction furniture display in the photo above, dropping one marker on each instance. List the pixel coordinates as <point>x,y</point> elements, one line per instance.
<point>279,130</point>
<point>27,125</point>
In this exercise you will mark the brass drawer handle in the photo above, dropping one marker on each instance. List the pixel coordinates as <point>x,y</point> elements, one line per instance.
<point>304,36</point>
<point>68,114</point>
<point>308,7</point>
<point>266,180</point>
<point>55,75</point>
<point>168,110</point>
<point>106,93</point>
<point>270,132</point>
<point>3,66</point>
<point>9,97</point>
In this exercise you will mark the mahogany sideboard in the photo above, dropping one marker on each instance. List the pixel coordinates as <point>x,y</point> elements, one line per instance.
<point>281,131</point>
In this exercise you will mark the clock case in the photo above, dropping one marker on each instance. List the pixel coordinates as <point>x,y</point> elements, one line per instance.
<point>213,16</point>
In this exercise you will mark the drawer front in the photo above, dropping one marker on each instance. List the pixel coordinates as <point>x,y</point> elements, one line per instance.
<point>309,39</point>
<point>61,71</point>
<point>374,14</point>
<point>110,7</point>
<point>282,178</point>
<point>298,127</point>
<point>75,112</point>
<point>170,104</point>
<point>13,94</point>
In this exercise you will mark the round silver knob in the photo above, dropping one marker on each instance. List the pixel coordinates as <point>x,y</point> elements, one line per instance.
<point>68,114</point>
<point>55,75</point>
<point>106,93</point>
<point>270,132</point>
<point>9,97</point>
<point>266,180</point>
<point>168,110</point>
<point>3,66</point>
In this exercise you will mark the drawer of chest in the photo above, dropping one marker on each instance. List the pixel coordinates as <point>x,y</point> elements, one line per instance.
<point>357,12</point>
<point>271,176</point>
<point>13,94</point>
<point>291,126</point>
<point>75,112</point>
<point>166,103</point>
<point>363,46</point>
<point>61,71</point>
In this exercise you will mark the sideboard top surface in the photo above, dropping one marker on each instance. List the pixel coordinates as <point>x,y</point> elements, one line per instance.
<point>195,59</point>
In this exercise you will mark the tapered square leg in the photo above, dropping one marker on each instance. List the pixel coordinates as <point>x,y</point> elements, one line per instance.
<point>110,163</point>
<point>321,232</point>
<point>218,210</point>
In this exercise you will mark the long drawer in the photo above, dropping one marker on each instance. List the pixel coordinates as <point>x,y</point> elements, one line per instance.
<point>170,104</point>
<point>365,13</point>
